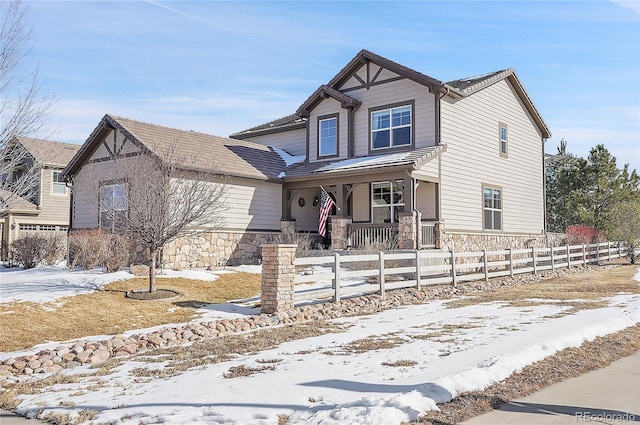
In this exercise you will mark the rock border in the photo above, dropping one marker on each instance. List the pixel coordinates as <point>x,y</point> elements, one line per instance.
<point>80,353</point>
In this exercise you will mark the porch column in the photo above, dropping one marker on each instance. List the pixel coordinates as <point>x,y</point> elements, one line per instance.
<point>339,231</point>
<point>407,230</point>
<point>288,226</point>
<point>286,203</point>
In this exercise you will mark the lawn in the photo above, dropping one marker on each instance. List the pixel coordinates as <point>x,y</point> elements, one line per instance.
<point>108,312</point>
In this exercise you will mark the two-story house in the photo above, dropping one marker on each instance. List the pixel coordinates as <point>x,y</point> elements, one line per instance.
<point>406,157</point>
<point>46,211</point>
<point>457,164</point>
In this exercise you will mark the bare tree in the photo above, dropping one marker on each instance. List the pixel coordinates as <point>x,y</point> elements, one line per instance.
<point>24,105</point>
<point>156,197</point>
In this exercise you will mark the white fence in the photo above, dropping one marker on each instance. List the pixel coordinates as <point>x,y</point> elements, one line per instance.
<point>420,268</point>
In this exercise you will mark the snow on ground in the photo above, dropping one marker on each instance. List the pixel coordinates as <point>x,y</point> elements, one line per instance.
<point>316,381</point>
<point>46,284</point>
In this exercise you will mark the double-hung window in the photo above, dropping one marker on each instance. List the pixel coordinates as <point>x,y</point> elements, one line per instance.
<point>114,206</point>
<point>492,208</point>
<point>387,201</point>
<point>391,127</point>
<point>328,136</point>
<point>504,139</point>
<point>59,187</point>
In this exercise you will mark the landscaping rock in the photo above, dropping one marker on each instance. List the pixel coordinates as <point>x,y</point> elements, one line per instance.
<point>95,352</point>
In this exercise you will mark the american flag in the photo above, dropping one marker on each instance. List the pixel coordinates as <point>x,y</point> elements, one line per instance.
<point>326,203</point>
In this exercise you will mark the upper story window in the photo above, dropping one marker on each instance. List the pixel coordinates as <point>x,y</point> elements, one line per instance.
<point>114,206</point>
<point>492,208</point>
<point>59,187</point>
<point>391,127</point>
<point>328,136</point>
<point>504,139</point>
<point>387,201</point>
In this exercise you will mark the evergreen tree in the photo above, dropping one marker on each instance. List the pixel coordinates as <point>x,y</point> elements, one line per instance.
<point>580,191</point>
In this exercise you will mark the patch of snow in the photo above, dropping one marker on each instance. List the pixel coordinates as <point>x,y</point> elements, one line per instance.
<point>289,159</point>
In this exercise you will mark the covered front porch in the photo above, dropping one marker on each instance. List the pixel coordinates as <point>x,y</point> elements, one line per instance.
<point>395,210</point>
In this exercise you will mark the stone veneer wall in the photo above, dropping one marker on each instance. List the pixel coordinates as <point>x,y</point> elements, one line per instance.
<point>477,242</point>
<point>215,249</point>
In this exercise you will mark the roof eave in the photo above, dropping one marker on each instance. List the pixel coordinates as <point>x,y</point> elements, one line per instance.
<point>267,131</point>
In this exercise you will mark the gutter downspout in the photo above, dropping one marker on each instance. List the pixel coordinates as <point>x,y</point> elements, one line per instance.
<point>414,210</point>
<point>544,196</point>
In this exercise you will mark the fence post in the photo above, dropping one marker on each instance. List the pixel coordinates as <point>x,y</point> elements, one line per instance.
<point>486,265</point>
<point>453,268</point>
<point>597,253</point>
<point>336,277</point>
<point>533,257</point>
<point>510,262</point>
<point>568,258</point>
<point>584,255</point>
<point>381,275</point>
<point>609,250</point>
<point>619,250</point>
<point>418,272</point>
<point>553,267</point>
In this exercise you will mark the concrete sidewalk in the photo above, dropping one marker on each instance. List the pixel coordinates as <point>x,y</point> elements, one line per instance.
<point>610,395</point>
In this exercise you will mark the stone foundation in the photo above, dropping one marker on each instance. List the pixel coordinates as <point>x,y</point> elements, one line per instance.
<point>214,249</point>
<point>470,242</point>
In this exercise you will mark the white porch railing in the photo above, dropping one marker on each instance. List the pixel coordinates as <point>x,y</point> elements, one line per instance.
<point>362,234</point>
<point>428,230</point>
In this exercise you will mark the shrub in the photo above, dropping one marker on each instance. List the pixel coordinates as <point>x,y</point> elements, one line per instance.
<point>118,252</point>
<point>54,248</point>
<point>92,248</point>
<point>581,234</point>
<point>86,249</point>
<point>29,250</point>
<point>304,242</point>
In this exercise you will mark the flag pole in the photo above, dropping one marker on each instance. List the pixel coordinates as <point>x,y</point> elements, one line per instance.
<point>323,189</point>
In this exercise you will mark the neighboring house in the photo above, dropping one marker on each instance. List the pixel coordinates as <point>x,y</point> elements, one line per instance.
<point>47,210</point>
<point>406,157</point>
<point>253,187</point>
<point>400,151</point>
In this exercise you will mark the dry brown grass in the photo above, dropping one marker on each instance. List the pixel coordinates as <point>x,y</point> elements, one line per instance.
<point>564,364</point>
<point>23,325</point>
<point>591,286</point>
<point>400,363</point>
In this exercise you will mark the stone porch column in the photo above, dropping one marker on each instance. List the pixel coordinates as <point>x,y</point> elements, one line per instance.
<point>407,230</point>
<point>339,232</point>
<point>278,272</point>
<point>288,226</point>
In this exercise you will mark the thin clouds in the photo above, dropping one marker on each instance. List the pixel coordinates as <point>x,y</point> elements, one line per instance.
<point>628,4</point>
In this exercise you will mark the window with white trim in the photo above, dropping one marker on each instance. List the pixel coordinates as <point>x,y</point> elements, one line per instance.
<point>328,136</point>
<point>28,227</point>
<point>391,127</point>
<point>114,206</point>
<point>59,186</point>
<point>492,208</point>
<point>387,201</point>
<point>504,139</point>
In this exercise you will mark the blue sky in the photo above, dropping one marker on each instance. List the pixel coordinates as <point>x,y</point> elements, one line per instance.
<point>220,67</point>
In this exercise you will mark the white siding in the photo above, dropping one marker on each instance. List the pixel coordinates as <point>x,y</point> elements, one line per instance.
<point>378,95</point>
<point>292,141</point>
<point>328,107</point>
<point>252,205</point>
<point>361,206</point>
<point>307,216</point>
<point>426,200</point>
<point>391,93</point>
<point>470,131</point>
<point>54,207</point>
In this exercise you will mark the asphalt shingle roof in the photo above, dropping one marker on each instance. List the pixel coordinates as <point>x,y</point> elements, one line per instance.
<point>48,152</point>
